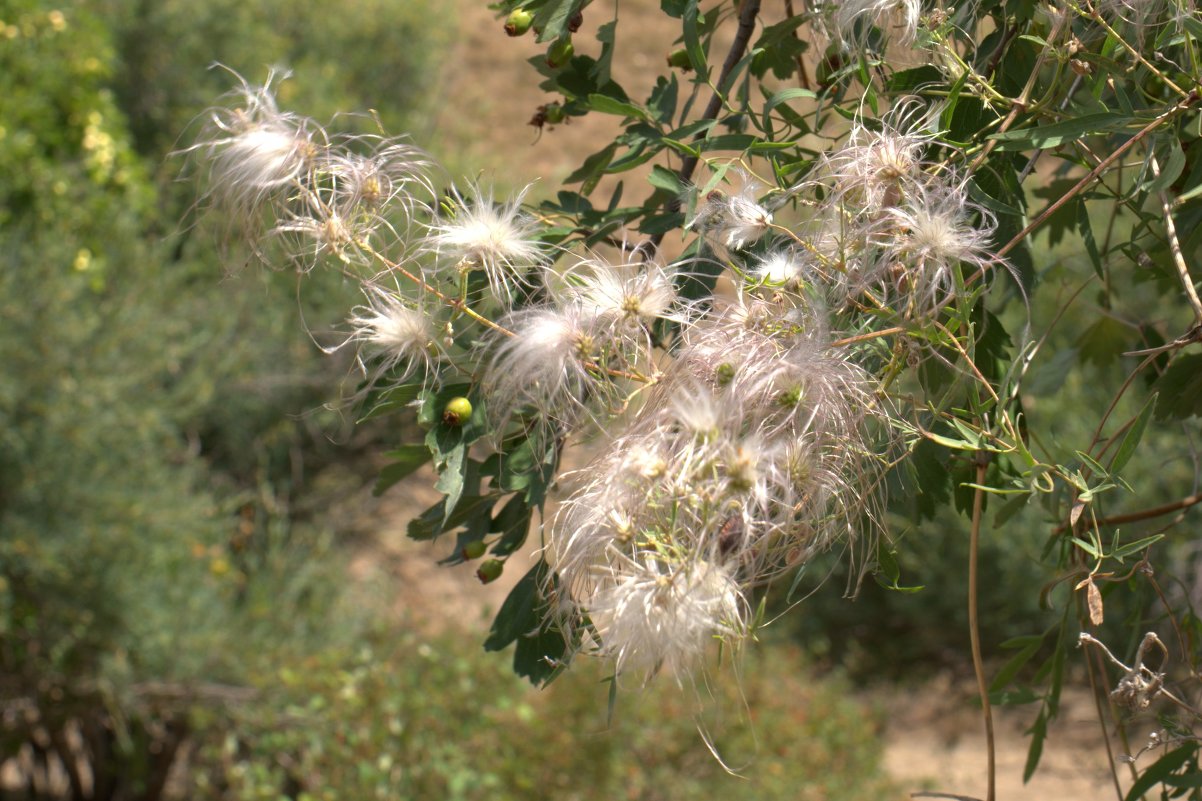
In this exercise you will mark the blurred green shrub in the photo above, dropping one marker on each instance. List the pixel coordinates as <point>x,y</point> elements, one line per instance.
<point>354,54</point>
<point>407,716</point>
<point>156,423</point>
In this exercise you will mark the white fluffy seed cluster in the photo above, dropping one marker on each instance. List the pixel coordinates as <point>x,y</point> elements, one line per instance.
<point>742,434</point>
<point>751,456</point>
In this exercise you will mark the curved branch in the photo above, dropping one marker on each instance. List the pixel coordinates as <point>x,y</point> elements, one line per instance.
<point>747,14</point>
<point>1143,514</point>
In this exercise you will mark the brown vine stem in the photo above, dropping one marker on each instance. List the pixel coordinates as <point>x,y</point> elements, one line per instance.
<point>1144,514</point>
<point>1077,188</point>
<point>1020,104</point>
<point>747,14</point>
<point>974,632</point>
<point>803,79</point>
<point>884,332</point>
<point>454,303</point>
<point>1094,669</point>
<point>1187,282</point>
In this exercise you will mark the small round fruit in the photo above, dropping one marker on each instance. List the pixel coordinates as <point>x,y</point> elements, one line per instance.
<point>560,53</point>
<point>518,22</point>
<point>474,549</point>
<point>490,571</point>
<point>457,411</point>
<point>553,114</point>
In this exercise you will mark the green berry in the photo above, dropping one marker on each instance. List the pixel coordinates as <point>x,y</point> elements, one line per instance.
<point>560,53</point>
<point>518,22</point>
<point>553,114</point>
<point>490,571</point>
<point>457,411</point>
<point>474,549</point>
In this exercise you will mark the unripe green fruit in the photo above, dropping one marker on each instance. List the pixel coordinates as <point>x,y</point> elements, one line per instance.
<point>490,571</point>
<point>457,411</point>
<point>679,59</point>
<point>518,22</point>
<point>474,549</point>
<point>553,114</point>
<point>560,53</point>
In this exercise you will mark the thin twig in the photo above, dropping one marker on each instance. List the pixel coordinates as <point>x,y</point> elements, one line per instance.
<point>1098,693</point>
<point>1055,205</point>
<point>974,550</point>
<point>803,80</point>
<point>884,332</point>
<point>1187,283</point>
<point>747,15</point>
<point>1144,514</point>
<point>1022,102</point>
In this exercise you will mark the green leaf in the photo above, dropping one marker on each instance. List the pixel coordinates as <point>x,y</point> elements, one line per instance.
<point>512,523</point>
<point>405,460</point>
<point>1104,341</point>
<point>1137,546</point>
<point>888,572</point>
<point>1049,377</point>
<point>540,655</point>
<point>589,173</point>
<point>1161,769</point>
<point>912,79</point>
<point>1039,732</point>
<point>435,520</point>
<point>451,464</point>
<point>1010,508</point>
<point>673,8</point>
<point>392,400</point>
<point>663,99</point>
<point>552,18</point>
<point>1059,133</point>
<point>932,481</point>
<point>663,178</point>
<point>609,105</point>
<point>739,142</point>
<point>1170,168</point>
<point>1086,229</point>
<point>777,49</point>
<point>1088,547</point>
<point>1133,436</point>
<point>541,648</point>
<point>1180,389</point>
<point>520,612</point>
<point>692,40</point>
<point>606,35</point>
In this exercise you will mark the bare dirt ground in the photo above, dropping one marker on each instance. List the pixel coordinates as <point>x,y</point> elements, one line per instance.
<point>934,742</point>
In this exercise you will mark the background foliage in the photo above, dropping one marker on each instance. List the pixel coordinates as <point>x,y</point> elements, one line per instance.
<point>175,614</point>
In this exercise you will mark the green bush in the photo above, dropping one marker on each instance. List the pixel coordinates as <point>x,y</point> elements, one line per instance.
<point>157,425</point>
<point>406,716</point>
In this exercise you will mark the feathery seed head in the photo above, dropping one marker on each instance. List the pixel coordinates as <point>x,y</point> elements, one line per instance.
<point>544,365</point>
<point>627,293</point>
<point>390,330</point>
<point>732,221</point>
<point>848,21</point>
<point>655,614</point>
<point>780,268</point>
<point>256,151</point>
<point>931,234</point>
<point>498,239</point>
<point>875,167</point>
